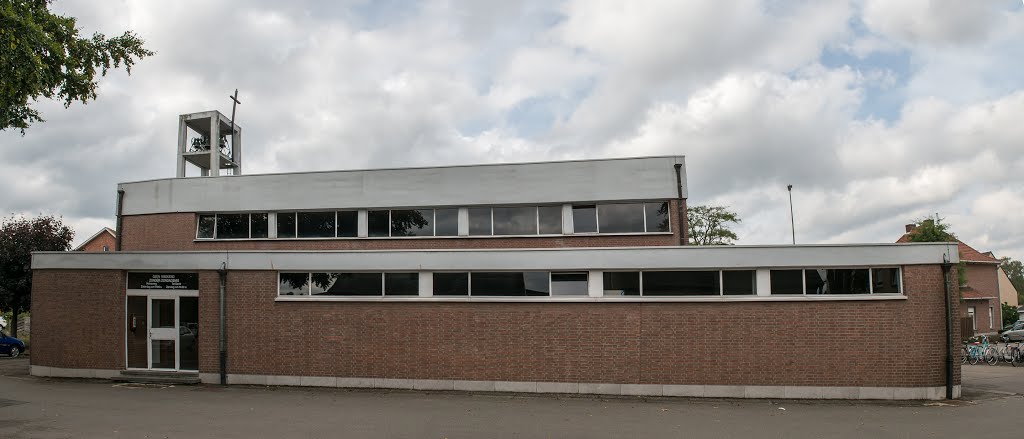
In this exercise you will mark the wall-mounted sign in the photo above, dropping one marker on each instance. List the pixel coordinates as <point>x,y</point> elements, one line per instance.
<point>163,281</point>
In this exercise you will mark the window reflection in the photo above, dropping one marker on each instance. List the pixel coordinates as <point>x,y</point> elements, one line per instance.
<point>377,223</point>
<point>348,224</point>
<point>446,222</point>
<point>316,224</point>
<point>657,217</point>
<point>480,221</point>
<point>286,225</point>
<point>515,220</point>
<point>412,222</point>
<point>620,218</point>
<point>258,225</point>
<point>207,223</point>
<point>550,220</point>
<point>584,219</point>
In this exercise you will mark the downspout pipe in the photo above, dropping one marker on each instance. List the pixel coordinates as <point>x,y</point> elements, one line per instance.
<point>946,265</point>
<point>223,274</point>
<point>120,207</point>
<point>680,209</point>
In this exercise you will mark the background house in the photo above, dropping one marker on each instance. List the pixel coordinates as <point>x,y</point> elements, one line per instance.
<point>104,240</point>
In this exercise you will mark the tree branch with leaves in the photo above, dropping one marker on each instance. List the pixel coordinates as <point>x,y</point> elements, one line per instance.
<point>42,55</point>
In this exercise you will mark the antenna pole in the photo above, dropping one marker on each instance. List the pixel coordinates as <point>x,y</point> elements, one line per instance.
<point>792,221</point>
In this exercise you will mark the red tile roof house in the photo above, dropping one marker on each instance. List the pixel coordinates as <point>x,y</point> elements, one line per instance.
<point>103,241</point>
<point>979,293</point>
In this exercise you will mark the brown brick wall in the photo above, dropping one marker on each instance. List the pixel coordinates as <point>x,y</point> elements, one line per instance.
<point>177,232</point>
<point>860,343</point>
<point>983,280</point>
<point>78,319</point>
<point>96,245</point>
<point>856,343</point>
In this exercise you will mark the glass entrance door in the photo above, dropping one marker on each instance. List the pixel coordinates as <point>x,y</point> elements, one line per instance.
<point>163,333</point>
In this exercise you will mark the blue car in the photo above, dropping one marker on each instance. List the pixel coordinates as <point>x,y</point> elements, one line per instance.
<point>10,345</point>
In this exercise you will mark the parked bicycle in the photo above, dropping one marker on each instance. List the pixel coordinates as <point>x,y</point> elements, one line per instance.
<point>977,351</point>
<point>1010,353</point>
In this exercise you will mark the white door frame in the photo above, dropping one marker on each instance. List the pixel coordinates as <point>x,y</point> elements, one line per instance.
<point>159,333</point>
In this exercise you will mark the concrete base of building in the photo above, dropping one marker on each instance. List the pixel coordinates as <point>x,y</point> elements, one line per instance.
<point>694,391</point>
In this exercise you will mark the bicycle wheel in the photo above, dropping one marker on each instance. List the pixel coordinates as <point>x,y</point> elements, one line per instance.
<point>991,356</point>
<point>1014,356</point>
<point>963,355</point>
<point>974,355</point>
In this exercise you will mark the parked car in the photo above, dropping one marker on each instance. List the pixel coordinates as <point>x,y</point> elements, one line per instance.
<point>10,345</point>
<point>1012,332</point>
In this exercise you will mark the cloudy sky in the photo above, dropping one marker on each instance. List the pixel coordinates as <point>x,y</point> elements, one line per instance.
<point>877,111</point>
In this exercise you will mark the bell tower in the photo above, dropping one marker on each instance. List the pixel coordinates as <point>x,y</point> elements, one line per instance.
<point>211,142</point>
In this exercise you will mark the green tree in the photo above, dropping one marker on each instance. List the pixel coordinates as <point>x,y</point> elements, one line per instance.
<point>934,230</point>
<point>19,237</point>
<point>709,225</point>
<point>1009,313</point>
<point>1015,271</point>
<point>41,54</point>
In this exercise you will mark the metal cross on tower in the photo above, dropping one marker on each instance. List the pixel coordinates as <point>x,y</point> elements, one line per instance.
<point>234,104</point>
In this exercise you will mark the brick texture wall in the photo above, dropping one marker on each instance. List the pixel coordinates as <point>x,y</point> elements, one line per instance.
<point>78,319</point>
<point>856,343</point>
<point>103,240</point>
<point>177,232</point>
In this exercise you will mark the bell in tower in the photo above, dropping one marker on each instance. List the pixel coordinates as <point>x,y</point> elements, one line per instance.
<point>211,142</point>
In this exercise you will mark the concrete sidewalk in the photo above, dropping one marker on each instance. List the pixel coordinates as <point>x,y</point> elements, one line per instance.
<point>43,408</point>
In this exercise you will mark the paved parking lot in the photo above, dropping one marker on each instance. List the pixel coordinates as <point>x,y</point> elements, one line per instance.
<point>48,408</point>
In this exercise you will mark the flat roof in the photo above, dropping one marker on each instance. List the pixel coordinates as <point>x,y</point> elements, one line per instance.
<point>605,258</point>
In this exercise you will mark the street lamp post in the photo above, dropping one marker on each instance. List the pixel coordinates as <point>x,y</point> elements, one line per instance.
<point>792,222</point>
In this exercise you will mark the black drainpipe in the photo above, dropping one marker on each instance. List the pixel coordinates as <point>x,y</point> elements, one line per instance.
<point>680,210</point>
<point>949,328</point>
<point>223,272</point>
<point>120,206</point>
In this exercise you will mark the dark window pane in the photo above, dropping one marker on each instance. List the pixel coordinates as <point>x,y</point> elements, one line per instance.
<point>680,283</point>
<point>530,283</point>
<point>569,284</point>
<point>837,281</point>
<point>188,329</point>
<point>515,220</point>
<point>162,313</point>
<point>584,219</point>
<point>401,284</point>
<point>347,284</point>
<point>232,225</point>
<point>621,283</point>
<point>480,221</point>
<point>451,284</point>
<point>738,282</point>
<point>378,223</point>
<point>787,281</point>
<point>886,280</point>
<point>348,224</point>
<point>286,224</point>
<point>412,222</point>
<point>316,224</point>
<point>621,218</point>
<point>657,217</point>
<point>446,222</point>
<point>550,219</point>
<point>293,284</point>
<point>207,223</point>
<point>258,225</point>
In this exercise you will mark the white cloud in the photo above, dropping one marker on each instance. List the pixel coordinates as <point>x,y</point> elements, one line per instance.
<point>741,88</point>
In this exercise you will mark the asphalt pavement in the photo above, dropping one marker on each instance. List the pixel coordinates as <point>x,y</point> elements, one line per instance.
<point>63,408</point>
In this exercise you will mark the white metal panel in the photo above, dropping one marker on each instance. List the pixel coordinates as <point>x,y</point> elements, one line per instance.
<point>649,258</point>
<point>520,183</point>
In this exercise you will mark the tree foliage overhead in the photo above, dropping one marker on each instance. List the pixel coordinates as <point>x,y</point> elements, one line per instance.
<point>931,230</point>
<point>41,54</point>
<point>934,230</point>
<point>1015,271</point>
<point>709,225</point>
<point>19,237</point>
